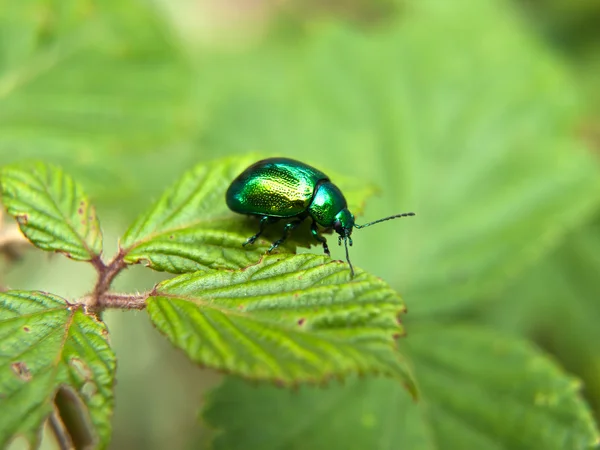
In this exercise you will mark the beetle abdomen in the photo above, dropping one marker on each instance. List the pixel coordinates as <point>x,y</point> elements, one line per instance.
<point>278,187</point>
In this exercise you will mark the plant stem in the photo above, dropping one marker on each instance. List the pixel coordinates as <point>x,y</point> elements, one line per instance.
<point>60,432</point>
<point>106,275</point>
<point>123,301</point>
<point>68,419</point>
<point>71,413</point>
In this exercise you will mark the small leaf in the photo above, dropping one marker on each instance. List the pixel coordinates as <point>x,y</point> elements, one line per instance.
<point>45,344</point>
<point>52,210</point>
<point>480,390</point>
<point>191,228</point>
<point>288,319</point>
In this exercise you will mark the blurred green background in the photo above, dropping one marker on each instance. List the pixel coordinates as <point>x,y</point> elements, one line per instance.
<point>482,117</point>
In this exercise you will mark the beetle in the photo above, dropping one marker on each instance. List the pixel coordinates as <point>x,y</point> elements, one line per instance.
<point>283,188</point>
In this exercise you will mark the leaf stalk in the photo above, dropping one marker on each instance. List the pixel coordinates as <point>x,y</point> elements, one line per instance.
<point>106,275</point>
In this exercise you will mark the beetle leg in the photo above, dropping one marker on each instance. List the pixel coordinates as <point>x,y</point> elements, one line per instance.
<point>286,231</point>
<point>318,237</point>
<point>264,221</point>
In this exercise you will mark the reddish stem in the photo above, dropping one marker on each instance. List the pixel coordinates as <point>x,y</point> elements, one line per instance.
<point>123,301</point>
<point>106,275</point>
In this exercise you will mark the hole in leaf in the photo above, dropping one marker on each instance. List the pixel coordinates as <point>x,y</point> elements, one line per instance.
<point>88,390</point>
<point>21,370</point>
<point>83,372</point>
<point>81,368</point>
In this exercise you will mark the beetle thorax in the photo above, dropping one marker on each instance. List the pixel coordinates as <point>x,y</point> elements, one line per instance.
<point>344,223</point>
<point>327,204</point>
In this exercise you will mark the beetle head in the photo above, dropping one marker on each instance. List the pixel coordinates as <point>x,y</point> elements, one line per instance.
<point>343,224</point>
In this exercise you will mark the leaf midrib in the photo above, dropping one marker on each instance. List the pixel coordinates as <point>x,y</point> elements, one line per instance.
<point>201,303</point>
<point>68,221</point>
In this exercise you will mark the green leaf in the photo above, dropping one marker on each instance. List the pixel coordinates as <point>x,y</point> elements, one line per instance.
<point>191,228</point>
<point>52,210</point>
<point>288,319</point>
<point>354,415</point>
<point>45,344</point>
<point>480,390</point>
<point>561,289</point>
<point>504,392</point>
<point>475,133</point>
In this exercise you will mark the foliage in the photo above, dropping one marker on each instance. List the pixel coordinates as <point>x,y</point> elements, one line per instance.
<point>49,344</point>
<point>288,319</point>
<point>565,286</point>
<point>190,227</point>
<point>462,371</point>
<point>285,319</point>
<point>459,113</point>
<point>52,211</point>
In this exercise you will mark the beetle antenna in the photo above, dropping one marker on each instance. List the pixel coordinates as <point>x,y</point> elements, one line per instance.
<point>348,257</point>
<point>385,218</point>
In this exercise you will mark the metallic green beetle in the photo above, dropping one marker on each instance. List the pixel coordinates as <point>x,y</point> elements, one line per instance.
<point>283,188</point>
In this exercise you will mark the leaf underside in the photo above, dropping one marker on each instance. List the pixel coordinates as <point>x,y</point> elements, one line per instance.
<point>46,344</point>
<point>289,319</point>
